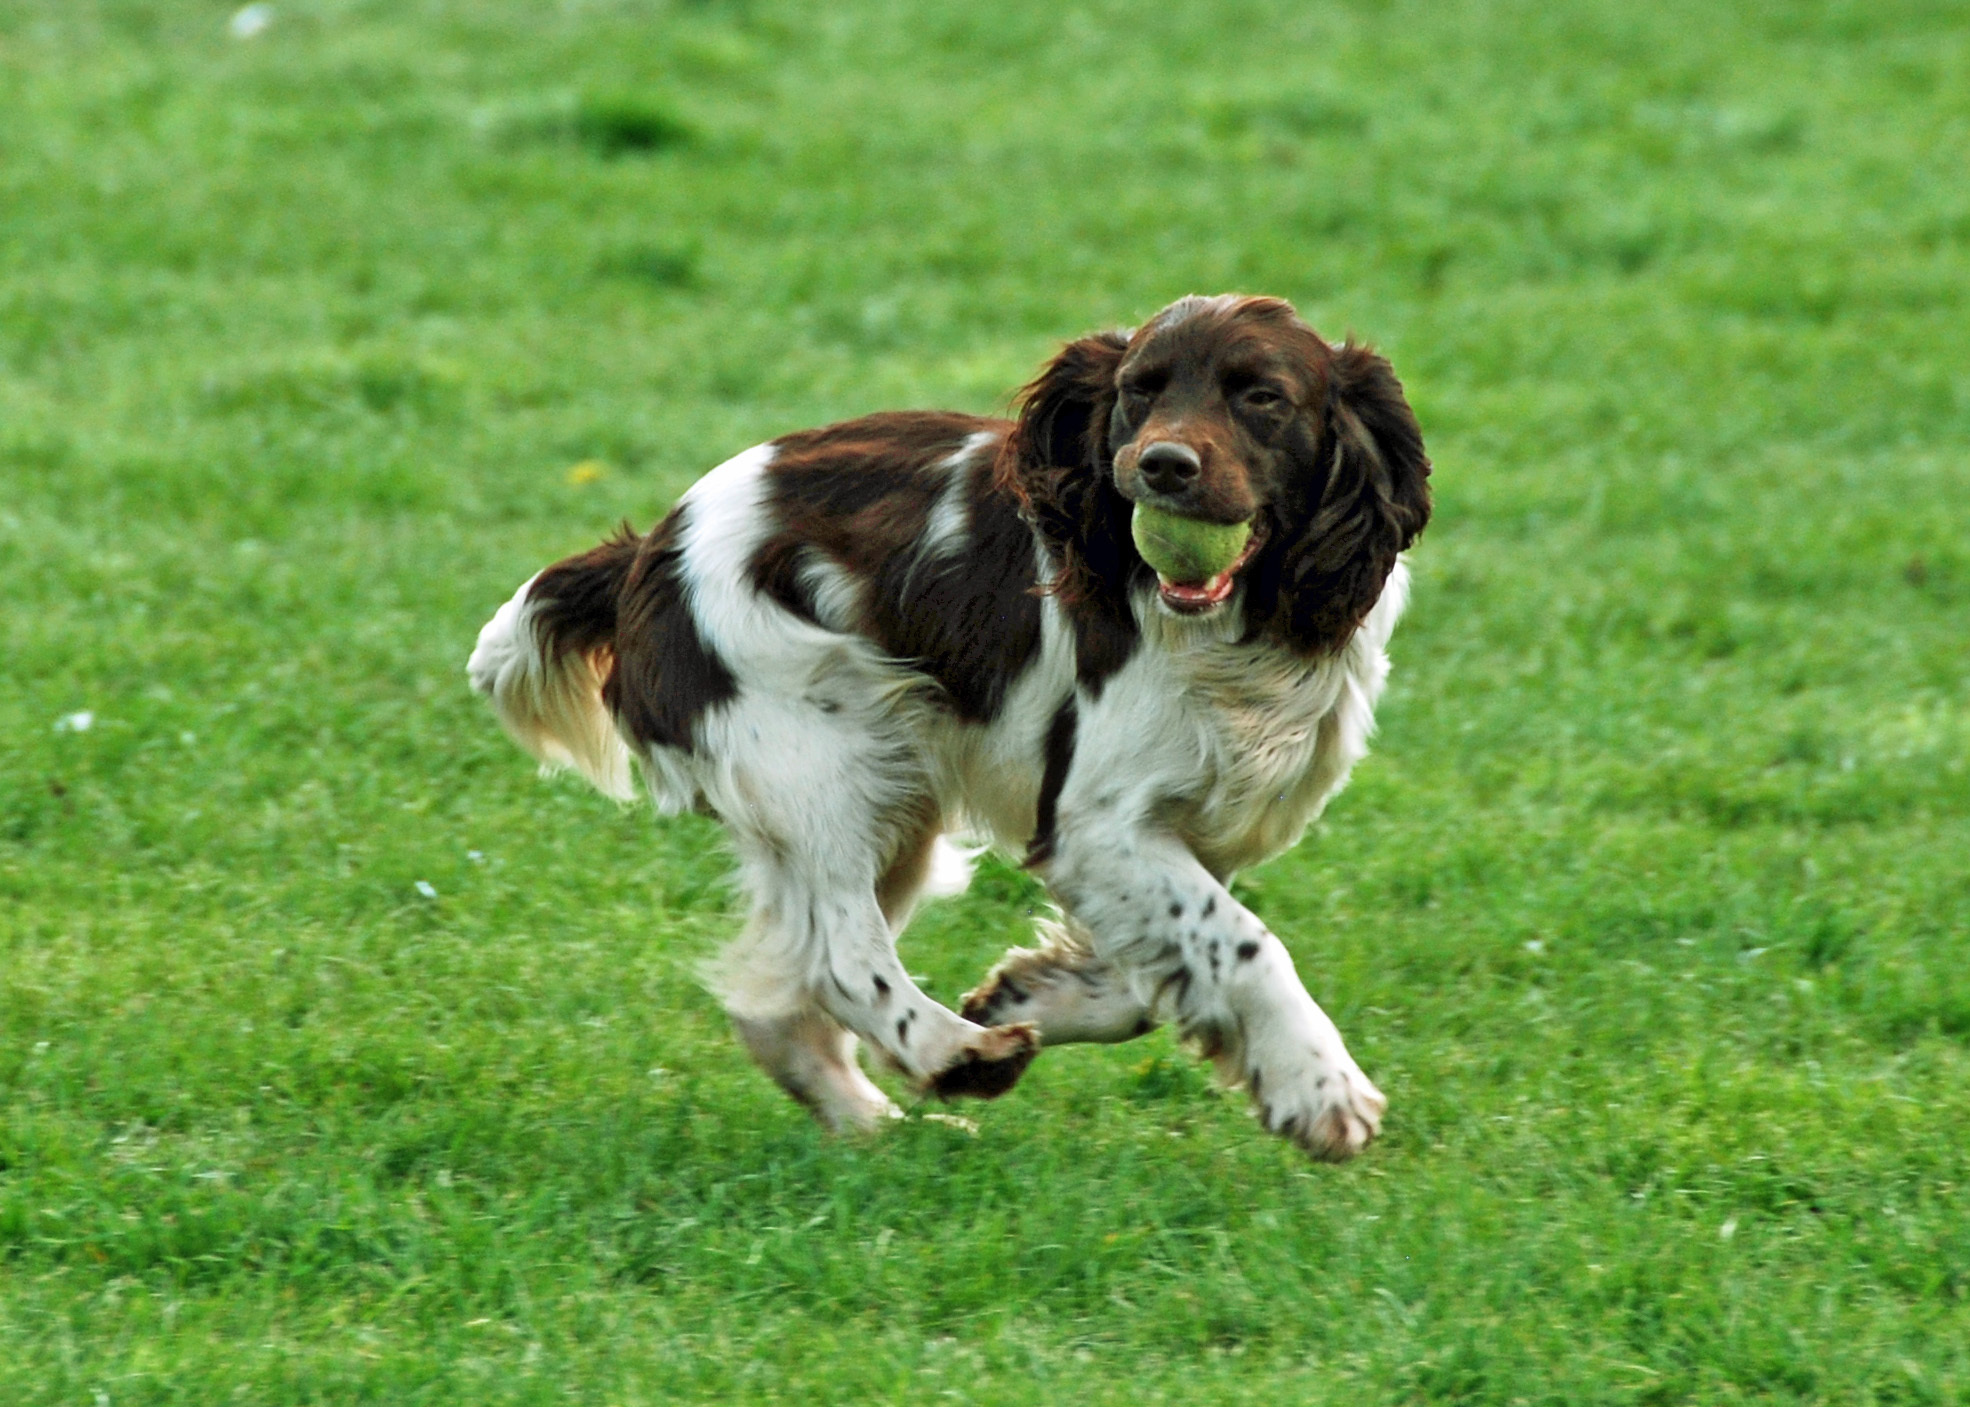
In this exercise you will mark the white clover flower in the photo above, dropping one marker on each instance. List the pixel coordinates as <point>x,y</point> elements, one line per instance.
<point>250,21</point>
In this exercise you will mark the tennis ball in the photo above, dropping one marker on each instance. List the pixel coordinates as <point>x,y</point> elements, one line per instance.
<point>1186,549</point>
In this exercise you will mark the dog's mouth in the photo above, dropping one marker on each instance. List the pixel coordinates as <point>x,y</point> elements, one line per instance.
<point>1194,598</point>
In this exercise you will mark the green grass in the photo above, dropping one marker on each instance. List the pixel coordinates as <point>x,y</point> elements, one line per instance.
<point>1649,913</point>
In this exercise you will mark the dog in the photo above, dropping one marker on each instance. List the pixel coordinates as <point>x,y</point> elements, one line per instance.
<point>855,643</point>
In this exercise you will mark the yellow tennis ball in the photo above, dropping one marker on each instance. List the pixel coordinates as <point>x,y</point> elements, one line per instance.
<point>1186,549</point>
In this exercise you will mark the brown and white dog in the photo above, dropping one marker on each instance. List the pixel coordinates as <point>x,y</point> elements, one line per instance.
<point>852,642</point>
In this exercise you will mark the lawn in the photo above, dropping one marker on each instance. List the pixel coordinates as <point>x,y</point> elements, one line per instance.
<point>344,1060</point>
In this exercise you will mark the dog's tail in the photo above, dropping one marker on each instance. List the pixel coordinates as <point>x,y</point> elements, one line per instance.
<point>544,657</point>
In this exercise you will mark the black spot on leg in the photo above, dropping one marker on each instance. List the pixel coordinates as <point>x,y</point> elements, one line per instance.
<point>1247,951</point>
<point>882,990</point>
<point>1210,905</point>
<point>1176,910</point>
<point>903,1029</point>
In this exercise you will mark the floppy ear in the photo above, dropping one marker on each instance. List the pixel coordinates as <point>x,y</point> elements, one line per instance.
<point>1056,463</point>
<point>1374,502</point>
<point>1063,413</point>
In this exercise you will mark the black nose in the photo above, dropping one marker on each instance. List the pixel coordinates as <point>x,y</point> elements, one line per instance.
<point>1168,467</point>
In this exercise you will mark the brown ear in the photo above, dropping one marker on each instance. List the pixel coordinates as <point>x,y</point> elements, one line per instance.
<point>1064,410</point>
<point>1375,501</point>
<point>1056,463</point>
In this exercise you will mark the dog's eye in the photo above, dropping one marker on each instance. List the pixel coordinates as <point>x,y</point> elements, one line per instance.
<point>1261,398</point>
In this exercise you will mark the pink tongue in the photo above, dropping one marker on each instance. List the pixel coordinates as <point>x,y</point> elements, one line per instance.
<point>1199,593</point>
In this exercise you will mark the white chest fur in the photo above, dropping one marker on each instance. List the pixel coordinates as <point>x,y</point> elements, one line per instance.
<point>1260,714</point>
<point>1246,742</point>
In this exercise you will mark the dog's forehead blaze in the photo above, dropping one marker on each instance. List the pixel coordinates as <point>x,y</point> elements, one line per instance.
<point>1250,337</point>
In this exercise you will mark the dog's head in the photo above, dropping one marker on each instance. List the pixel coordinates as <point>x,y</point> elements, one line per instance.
<point>1228,410</point>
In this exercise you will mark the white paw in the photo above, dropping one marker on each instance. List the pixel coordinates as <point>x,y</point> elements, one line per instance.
<point>857,1114</point>
<point>1329,1108</point>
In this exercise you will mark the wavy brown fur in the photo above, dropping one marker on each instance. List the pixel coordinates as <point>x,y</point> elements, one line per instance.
<point>1324,570</point>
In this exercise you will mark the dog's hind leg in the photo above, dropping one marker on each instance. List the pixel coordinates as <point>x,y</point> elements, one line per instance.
<point>824,792</point>
<point>812,1057</point>
<point>926,866</point>
<point>819,942</point>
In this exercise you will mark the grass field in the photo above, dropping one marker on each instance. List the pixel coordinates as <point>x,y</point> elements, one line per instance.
<point>342,1060</point>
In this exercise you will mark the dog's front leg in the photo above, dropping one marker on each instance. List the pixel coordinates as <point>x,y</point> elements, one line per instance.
<point>1197,956</point>
<point>1064,988</point>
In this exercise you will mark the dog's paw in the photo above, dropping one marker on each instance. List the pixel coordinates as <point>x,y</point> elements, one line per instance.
<point>989,1064</point>
<point>997,995</point>
<point>856,1117</point>
<point>979,1004</point>
<point>1063,989</point>
<point>1331,1111</point>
